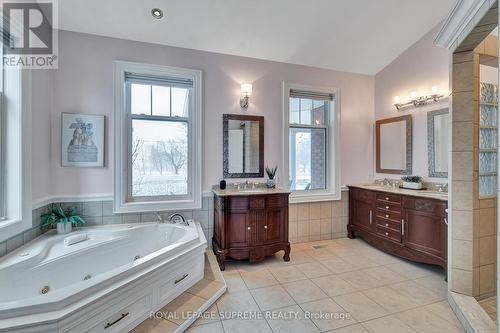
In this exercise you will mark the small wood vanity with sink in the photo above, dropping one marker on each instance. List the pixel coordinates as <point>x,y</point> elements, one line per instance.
<point>409,224</point>
<point>250,224</point>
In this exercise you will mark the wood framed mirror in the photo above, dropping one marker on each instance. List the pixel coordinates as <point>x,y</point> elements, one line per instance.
<point>243,155</point>
<point>394,145</point>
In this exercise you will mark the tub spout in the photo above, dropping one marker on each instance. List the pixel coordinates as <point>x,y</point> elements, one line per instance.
<point>175,217</point>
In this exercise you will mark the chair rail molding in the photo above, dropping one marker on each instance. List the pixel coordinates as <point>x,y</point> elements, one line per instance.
<point>463,18</point>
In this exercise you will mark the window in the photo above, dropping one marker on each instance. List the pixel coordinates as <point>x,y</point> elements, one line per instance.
<point>311,143</point>
<point>15,162</point>
<point>160,116</point>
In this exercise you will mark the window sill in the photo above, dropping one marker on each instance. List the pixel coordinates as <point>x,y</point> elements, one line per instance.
<point>316,196</point>
<point>157,206</point>
<point>13,227</point>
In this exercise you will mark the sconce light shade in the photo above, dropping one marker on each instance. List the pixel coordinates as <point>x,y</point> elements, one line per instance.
<point>246,91</point>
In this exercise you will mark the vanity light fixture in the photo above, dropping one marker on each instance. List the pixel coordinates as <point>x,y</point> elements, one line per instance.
<point>246,92</point>
<point>157,13</point>
<point>416,100</point>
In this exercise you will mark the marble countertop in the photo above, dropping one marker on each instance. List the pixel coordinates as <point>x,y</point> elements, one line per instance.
<point>231,191</point>
<point>396,190</point>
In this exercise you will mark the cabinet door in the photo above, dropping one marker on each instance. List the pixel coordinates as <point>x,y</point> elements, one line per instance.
<point>273,227</point>
<point>424,231</point>
<point>363,215</point>
<point>238,228</point>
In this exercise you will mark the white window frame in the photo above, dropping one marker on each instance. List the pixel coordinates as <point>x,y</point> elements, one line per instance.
<point>16,161</point>
<point>194,198</point>
<point>333,186</point>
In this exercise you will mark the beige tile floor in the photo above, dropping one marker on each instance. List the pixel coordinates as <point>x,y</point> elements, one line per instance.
<point>490,306</point>
<point>340,285</point>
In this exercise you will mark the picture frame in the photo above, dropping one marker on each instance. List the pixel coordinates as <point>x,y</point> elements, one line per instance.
<point>82,140</point>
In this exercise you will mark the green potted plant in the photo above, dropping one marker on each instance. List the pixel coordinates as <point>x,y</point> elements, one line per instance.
<point>62,219</point>
<point>412,182</point>
<point>271,173</point>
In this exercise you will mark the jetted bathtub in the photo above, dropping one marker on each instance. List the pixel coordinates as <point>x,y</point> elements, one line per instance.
<point>109,282</point>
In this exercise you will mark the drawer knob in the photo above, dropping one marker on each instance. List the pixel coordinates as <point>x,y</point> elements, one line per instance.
<point>387,234</point>
<point>386,207</point>
<point>387,198</point>
<point>248,228</point>
<point>387,224</point>
<point>387,215</point>
<point>265,227</point>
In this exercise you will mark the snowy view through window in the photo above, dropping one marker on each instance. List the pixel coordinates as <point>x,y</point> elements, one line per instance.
<point>159,147</point>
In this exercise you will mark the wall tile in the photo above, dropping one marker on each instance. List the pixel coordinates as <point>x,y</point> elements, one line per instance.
<point>487,250</point>
<point>93,220</point>
<point>463,225</point>
<point>314,227</point>
<point>326,209</point>
<point>487,279</point>
<point>293,212</point>
<point>131,218</point>
<point>462,165</point>
<point>487,222</point>
<point>461,281</point>
<point>462,198</point>
<point>302,229</point>
<point>337,208</point>
<point>292,229</point>
<point>115,219</point>
<point>315,211</point>
<point>14,243</point>
<point>337,224</point>
<point>462,140</point>
<point>462,254</point>
<point>30,234</point>
<point>92,208</point>
<point>3,248</point>
<point>326,226</point>
<point>303,212</point>
<point>107,208</point>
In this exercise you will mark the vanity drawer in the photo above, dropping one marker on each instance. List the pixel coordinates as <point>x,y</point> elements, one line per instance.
<point>395,225</point>
<point>390,215</point>
<point>275,201</point>
<point>386,197</point>
<point>430,206</point>
<point>238,203</point>
<point>389,206</point>
<point>258,203</point>
<point>389,233</point>
<point>362,195</point>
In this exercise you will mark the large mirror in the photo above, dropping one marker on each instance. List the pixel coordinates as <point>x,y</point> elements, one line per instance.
<point>437,142</point>
<point>394,147</point>
<point>243,146</point>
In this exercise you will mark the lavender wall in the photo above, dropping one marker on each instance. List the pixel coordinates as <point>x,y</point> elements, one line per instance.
<point>83,83</point>
<point>419,68</point>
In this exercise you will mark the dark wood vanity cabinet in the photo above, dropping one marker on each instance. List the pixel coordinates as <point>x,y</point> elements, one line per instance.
<point>250,227</point>
<point>411,227</point>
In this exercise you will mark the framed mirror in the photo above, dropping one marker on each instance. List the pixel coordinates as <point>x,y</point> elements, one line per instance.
<point>437,142</point>
<point>394,146</point>
<point>243,146</point>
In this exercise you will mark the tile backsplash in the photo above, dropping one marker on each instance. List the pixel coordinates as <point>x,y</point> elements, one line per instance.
<point>308,221</point>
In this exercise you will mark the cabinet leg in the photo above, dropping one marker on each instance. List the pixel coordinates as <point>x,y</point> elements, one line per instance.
<point>351,235</point>
<point>286,256</point>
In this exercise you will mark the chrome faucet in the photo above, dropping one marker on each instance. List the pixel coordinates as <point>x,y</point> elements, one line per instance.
<point>246,184</point>
<point>175,217</point>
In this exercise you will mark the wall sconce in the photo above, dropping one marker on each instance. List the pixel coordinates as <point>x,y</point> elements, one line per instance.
<point>416,100</point>
<point>246,91</point>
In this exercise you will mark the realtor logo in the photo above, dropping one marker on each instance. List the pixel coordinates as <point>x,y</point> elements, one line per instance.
<point>29,33</point>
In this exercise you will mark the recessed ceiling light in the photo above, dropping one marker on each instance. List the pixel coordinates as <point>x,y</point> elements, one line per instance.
<point>157,13</point>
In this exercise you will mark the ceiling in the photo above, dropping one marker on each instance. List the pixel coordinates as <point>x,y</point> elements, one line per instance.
<point>360,36</point>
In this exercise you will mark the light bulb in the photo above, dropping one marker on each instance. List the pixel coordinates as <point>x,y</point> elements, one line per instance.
<point>396,99</point>
<point>414,95</point>
<point>435,90</point>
